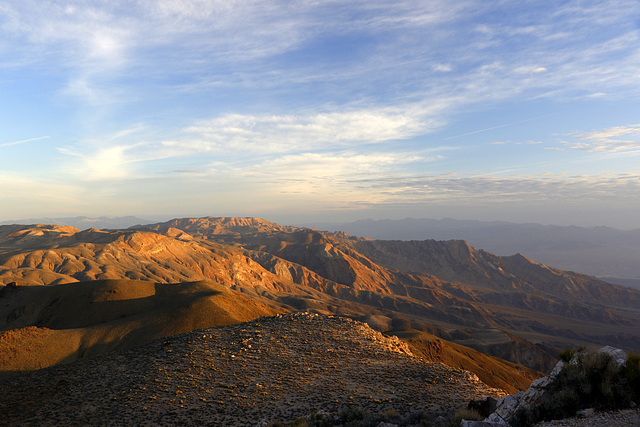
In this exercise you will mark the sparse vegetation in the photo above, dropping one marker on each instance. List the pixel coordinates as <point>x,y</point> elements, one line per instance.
<point>566,355</point>
<point>400,323</point>
<point>466,414</point>
<point>355,416</point>
<point>592,380</point>
<point>631,372</point>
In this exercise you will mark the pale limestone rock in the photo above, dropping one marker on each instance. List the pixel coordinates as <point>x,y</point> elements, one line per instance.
<point>619,355</point>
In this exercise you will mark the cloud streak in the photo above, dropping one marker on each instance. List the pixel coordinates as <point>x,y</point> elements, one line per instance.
<point>615,139</point>
<point>23,141</point>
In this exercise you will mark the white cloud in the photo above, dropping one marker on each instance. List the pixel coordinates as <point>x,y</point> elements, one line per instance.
<point>328,166</point>
<point>615,139</point>
<point>471,190</point>
<point>289,133</point>
<point>98,164</point>
<point>110,156</point>
<point>349,181</point>
<point>443,68</point>
<point>102,45</point>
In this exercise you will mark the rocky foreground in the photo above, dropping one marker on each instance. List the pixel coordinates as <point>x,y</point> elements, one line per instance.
<point>273,368</point>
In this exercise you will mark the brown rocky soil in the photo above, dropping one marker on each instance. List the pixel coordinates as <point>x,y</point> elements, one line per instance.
<point>272,368</point>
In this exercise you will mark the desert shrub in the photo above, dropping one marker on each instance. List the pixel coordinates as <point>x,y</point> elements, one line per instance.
<point>466,414</point>
<point>353,413</point>
<point>602,384</point>
<point>354,416</point>
<point>631,373</point>
<point>523,418</point>
<point>391,413</point>
<point>565,402</point>
<point>299,422</point>
<point>594,380</point>
<point>400,324</point>
<point>566,355</point>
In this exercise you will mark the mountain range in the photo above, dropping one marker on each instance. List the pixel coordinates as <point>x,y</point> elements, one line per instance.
<point>84,222</point>
<point>103,290</point>
<point>608,253</point>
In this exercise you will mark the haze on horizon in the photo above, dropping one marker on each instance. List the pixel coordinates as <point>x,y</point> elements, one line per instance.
<point>322,111</point>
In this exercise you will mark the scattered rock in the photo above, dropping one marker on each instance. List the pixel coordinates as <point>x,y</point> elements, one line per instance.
<point>584,413</point>
<point>273,368</point>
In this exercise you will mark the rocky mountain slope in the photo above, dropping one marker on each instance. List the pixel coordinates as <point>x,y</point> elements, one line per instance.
<point>512,294</point>
<point>598,251</point>
<point>511,307</point>
<point>274,368</point>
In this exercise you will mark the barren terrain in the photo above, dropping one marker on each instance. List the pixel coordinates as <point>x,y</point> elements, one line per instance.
<point>273,368</point>
<point>71,294</point>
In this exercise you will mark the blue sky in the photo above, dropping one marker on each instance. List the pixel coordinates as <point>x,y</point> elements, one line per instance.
<point>302,111</point>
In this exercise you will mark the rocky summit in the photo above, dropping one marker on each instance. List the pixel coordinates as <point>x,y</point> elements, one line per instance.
<point>278,368</point>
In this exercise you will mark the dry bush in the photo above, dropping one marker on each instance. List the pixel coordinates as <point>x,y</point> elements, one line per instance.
<point>592,380</point>
<point>466,414</point>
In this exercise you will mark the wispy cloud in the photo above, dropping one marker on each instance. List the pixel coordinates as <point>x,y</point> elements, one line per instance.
<point>463,190</point>
<point>317,96</point>
<point>101,45</point>
<point>619,138</point>
<point>130,152</point>
<point>22,141</point>
<point>283,134</point>
<point>351,181</point>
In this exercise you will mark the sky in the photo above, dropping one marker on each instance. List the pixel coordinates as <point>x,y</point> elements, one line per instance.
<point>322,110</point>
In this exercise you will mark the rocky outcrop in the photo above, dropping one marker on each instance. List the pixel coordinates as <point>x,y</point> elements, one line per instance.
<point>508,406</point>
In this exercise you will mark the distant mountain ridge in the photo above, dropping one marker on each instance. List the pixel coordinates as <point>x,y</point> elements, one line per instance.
<point>605,252</point>
<point>84,222</point>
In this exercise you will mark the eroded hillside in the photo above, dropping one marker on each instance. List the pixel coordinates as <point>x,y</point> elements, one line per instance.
<point>511,307</point>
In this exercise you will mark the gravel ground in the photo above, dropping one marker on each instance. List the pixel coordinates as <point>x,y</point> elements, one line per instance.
<point>273,368</point>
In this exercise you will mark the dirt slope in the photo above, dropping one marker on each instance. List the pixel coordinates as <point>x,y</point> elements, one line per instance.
<point>275,368</point>
<point>47,325</point>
